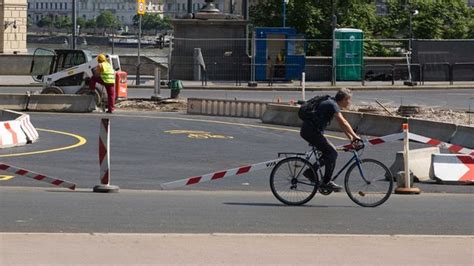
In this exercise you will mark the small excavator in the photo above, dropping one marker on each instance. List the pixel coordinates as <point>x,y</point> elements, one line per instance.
<point>67,71</point>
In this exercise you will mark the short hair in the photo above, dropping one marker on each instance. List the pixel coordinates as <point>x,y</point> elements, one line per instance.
<point>343,94</point>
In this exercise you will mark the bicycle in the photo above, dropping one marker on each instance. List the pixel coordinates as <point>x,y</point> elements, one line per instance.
<point>368,182</point>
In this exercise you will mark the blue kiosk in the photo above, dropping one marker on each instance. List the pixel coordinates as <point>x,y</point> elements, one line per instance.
<point>280,54</point>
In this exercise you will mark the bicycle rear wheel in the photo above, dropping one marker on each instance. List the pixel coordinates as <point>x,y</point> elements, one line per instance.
<point>289,185</point>
<point>370,185</point>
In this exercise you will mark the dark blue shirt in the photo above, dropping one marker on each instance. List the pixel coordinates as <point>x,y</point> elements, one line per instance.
<point>325,113</point>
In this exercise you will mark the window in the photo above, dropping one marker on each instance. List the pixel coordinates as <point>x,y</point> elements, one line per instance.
<point>65,5</point>
<point>169,7</point>
<point>61,6</point>
<point>56,6</point>
<point>41,5</point>
<point>37,5</point>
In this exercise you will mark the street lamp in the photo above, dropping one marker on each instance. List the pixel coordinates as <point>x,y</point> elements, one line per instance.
<point>74,24</point>
<point>412,13</point>
<point>334,25</point>
<point>285,2</point>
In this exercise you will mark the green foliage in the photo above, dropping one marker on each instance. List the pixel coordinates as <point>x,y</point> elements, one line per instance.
<point>45,22</point>
<point>81,22</point>
<point>62,23</point>
<point>151,21</point>
<point>440,19</point>
<point>91,24</point>
<point>107,20</point>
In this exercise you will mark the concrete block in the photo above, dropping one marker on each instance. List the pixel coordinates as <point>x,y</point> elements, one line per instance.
<point>464,136</point>
<point>420,163</point>
<point>353,118</point>
<point>379,125</point>
<point>430,129</point>
<point>62,103</point>
<point>284,115</point>
<point>15,102</point>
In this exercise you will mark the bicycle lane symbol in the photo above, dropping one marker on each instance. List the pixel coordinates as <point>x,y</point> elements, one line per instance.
<point>6,177</point>
<point>195,134</point>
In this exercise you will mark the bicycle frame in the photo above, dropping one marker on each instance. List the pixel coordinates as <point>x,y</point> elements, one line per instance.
<point>315,153</point>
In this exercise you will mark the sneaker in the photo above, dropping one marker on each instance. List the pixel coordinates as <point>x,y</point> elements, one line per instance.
<point>333,186</point>
<point>309,175</point>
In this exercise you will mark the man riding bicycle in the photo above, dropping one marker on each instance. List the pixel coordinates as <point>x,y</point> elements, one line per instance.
<point>324,109</point>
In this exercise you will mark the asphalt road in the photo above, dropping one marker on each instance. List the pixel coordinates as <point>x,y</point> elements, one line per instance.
<point>148,149</point>
<point>458,99</point>
<point>39,210</point>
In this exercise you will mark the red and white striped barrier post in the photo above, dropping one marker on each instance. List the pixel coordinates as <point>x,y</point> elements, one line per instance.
<point>104,159</point>
<point>33,175</point>
<point>407,189</point>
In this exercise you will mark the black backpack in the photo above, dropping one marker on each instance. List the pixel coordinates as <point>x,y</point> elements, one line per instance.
<point>307,110</point>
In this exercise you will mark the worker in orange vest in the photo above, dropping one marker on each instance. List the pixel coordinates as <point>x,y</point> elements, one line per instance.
<point>105,76</point>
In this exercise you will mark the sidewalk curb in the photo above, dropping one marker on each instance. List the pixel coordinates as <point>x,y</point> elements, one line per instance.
<point>279,88</point>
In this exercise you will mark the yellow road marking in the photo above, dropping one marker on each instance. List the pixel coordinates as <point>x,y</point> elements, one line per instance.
<point>80,141</point>
<point>224,123</point>
<point>6,177</point>
<point>195,134</point>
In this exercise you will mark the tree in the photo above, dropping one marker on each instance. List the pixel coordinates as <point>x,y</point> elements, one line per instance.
<point>151,21</point>
<point>81,22</point>
<point>45,22</point>
<point>63,23</point>
<point>439,19</point>
<point>107,20</point>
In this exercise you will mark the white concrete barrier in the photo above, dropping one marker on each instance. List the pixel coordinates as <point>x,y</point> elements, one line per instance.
<point>453,168</point>
<point>420,163</point>
<point>16,129</point>
<point>232,108</point>
<point>11,134</point>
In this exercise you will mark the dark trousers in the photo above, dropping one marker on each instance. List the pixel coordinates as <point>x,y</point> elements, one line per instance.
<point>316,138</point>
<point>110,91</point>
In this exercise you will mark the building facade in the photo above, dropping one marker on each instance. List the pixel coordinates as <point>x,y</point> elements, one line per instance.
<point>13,28</point>
<point>125,10</point>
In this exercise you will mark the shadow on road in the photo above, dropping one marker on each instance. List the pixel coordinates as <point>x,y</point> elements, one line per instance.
<point>282,205</point>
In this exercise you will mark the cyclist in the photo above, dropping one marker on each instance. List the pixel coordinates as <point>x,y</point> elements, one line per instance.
<point>313,132</point>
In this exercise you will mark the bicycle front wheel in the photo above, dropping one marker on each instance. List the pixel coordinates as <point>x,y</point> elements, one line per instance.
<point>369,185</point>
<point>288,183</point>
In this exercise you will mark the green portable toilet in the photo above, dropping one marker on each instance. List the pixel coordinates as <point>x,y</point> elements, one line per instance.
<point>349,54</point>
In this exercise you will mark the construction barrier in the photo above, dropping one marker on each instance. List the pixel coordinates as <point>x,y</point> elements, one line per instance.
<point>438,143</point>
<point>232,108</point>
<point>28,128</point>
<point>11,134</point>
<point>221,174</point>
<point>420,163</point>
<point>456,168</point>
<point>104,159</point>
<point>30,174</point>
<point>258,166</point>
<point>377,125</point>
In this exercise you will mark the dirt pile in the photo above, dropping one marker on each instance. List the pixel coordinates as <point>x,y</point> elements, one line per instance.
<point>168,105</point>
<point>428,113</point>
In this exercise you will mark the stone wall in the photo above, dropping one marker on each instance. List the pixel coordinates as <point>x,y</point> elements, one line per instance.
<point>13,37</point>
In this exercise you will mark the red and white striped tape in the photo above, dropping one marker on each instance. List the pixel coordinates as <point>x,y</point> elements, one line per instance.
<point>104,152</point>
<point>259,166</point>
<point>221,174</point>
<point>28,128</point>
<point>434,142</point>
<point>11,134</point>
<point>36,176</point>
<point>376,141</point>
